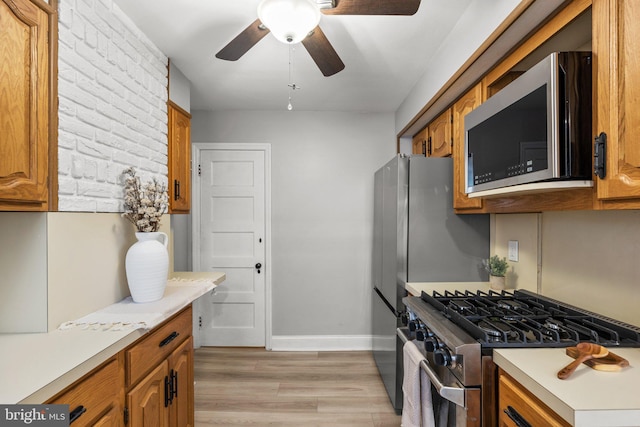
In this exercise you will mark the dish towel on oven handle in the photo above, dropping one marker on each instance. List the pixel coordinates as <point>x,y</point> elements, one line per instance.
<point>417,407</point>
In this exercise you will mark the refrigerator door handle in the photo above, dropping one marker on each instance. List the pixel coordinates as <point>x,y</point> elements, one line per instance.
<point>393,310</point>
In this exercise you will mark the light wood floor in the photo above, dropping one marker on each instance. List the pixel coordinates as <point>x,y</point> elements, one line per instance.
<point>249,386</point>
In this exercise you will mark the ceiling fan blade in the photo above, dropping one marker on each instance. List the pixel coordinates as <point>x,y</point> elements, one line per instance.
<point>243,41</point>
<point>374,7</point>
<point>324,55</point>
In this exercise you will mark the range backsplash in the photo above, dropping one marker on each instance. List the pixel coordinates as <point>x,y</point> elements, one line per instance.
<point>587,258</point>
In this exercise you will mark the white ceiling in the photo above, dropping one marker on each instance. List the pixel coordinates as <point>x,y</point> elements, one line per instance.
<point>384,55</point>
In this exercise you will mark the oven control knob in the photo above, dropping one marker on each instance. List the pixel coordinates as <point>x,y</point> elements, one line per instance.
<point>442,357</point>
<point>413,325</point>
<point>421,334</point>
<point>404,318</point>
<point>431,344</point>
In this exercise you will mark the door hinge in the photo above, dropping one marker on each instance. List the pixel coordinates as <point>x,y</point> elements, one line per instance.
<point>429,147</point>
<point>126,415</point>
<point>200,322</point>
<point>600,156</point>
<point>199,170</point>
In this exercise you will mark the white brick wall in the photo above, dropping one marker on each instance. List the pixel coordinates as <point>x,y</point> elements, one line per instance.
<point>112,90</point>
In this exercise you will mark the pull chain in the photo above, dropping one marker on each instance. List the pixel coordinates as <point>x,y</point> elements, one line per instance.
<point>292,86</point>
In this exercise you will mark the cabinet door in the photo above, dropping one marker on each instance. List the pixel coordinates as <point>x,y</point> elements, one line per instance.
<point>181,369</point>
<point>24,106</point>
<point>616,40</point>
<point>112,418</point>
<point>179,160</point>
<point>440,142</point>
<point>147,402</point>
<point>466,104</point>
<point>419,142</point>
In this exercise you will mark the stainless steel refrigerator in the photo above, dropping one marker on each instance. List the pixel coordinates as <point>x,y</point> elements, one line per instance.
<point>417,238</point>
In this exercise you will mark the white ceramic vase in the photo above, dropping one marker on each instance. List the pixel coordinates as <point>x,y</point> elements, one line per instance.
<point>147,266</point>
<point>497,282</point>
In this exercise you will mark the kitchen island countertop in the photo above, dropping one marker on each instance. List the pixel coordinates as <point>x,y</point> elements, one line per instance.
<point>588,398</point>
<point>36,366</point>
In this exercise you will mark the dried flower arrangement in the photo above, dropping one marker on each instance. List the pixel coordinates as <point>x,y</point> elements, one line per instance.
<point>143,204</point>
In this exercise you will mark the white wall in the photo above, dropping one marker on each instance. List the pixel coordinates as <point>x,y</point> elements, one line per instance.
<point>113,92</point>
<point>587,258</point>
<point>179,88</point>
<point>322,210</point>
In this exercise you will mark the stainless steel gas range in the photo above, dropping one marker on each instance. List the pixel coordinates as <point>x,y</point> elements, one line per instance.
<point>457,331</point>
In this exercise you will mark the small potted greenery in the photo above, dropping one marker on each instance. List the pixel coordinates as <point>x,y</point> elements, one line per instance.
<point>497,268</point>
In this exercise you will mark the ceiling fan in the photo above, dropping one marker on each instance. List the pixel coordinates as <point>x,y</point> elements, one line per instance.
<point>308,32</point>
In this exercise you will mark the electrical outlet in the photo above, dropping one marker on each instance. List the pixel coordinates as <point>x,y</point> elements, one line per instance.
<point>513,250</point>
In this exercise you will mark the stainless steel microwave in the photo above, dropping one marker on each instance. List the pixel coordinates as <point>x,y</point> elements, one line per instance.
<point>538,128</point>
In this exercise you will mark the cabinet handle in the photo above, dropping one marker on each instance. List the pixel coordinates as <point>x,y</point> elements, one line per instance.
<point>76,413</point>
<point>172,336</point>
<point>167,391</point>
<point>174,384</point>
<point>176,189</point>
<point>516,417</point>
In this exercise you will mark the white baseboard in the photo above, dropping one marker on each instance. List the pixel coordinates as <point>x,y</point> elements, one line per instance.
<point>321,343</point>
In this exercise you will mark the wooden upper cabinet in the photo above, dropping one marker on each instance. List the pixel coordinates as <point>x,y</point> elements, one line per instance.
<point>435,139</point>
<point>24,106</point>
<point>461,108</point>
<point>179,160</point>
<point>419,142</point>
<point>440,142</point>
<point>616,42</point>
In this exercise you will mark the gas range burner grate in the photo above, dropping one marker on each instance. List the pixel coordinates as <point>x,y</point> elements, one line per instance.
<point>524,319</point>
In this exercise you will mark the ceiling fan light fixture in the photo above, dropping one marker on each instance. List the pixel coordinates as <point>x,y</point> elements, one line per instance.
<point>290,21</point>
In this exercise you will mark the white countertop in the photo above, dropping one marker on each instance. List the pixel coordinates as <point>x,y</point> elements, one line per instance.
<point>34,367</point>
<point>588,397</point>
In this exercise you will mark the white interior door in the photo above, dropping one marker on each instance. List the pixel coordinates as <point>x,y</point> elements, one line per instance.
<point>231,239</point>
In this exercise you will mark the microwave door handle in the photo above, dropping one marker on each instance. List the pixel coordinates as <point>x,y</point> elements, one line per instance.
<point>455,395</point>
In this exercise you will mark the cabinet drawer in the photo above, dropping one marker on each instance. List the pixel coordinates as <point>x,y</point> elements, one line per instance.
<point>147,353</point>
<point>97,393</point>
<point>512,396</point>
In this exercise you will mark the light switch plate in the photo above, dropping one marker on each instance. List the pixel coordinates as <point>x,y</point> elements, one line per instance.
<point>513,250</point>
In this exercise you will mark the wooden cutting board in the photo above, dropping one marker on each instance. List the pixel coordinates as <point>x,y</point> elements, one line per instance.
<point>611,362</point>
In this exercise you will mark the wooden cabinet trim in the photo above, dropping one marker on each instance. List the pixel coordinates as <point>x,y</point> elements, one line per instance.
<point>471,100</point>
<point>555,24</point>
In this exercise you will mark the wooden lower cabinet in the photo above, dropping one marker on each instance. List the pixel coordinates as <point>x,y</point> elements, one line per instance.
<point>515,399</point>
<point>146,401</point>
<point>182,407</point>
<point>97,398</point>
<point>165,396</point>
<point>150,383</point>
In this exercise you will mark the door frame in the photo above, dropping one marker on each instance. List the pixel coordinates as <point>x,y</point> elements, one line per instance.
<point>195,216</point>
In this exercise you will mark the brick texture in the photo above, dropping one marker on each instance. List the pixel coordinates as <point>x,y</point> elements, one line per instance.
<point>112,105</point>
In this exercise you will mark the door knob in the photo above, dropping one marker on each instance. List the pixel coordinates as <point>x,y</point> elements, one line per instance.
<point>258,267</point>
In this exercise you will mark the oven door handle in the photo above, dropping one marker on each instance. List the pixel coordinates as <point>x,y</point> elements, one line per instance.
<point>455,395</point>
